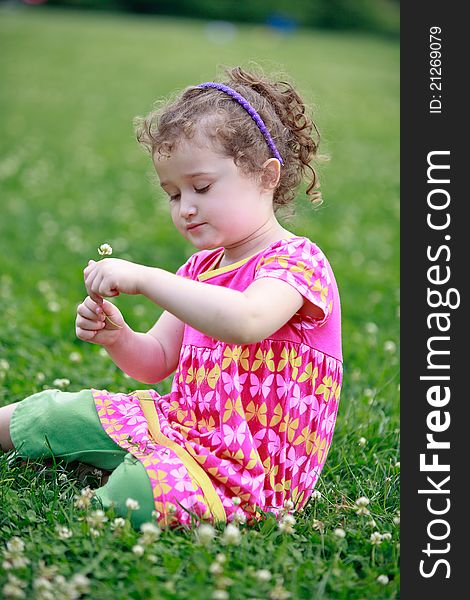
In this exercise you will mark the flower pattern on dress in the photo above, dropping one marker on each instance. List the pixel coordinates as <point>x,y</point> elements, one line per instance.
<point>257,419</point>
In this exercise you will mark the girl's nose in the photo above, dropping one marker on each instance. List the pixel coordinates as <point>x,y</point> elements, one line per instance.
<point>187,209</point>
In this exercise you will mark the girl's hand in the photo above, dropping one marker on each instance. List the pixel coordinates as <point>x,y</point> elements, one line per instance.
<point>113,276</point>
<point>92,326</point>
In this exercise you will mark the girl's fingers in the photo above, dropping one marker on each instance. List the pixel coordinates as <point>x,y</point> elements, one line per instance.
<point>88,324</point>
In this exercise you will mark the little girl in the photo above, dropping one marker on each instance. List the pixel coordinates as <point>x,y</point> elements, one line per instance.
<point>251,326</point>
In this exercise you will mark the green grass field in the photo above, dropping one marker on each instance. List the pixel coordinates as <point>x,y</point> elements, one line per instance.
<point>72,177</point>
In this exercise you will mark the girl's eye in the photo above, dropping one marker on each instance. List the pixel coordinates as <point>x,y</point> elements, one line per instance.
<point>174,198</point>
<point>202,190</point>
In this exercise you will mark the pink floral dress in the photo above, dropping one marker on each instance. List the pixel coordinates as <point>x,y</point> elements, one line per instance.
<point>254,421</point>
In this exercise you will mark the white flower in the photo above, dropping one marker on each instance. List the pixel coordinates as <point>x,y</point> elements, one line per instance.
<point>239,516</point>
<point>382,579</point>
<point>220,595</point>
<point>372,523</point>
<point>221,558</point>
<point>362,442</point>
<point>376,538</point>
<point>118,523</point>
<point>138,550</point>
<point>231,535</point>
<point>396,520</point>
<point>397,465</point>
<point>371,328</point>
<point>105,250</point>
<point>318,525</point>
<point>287,523</point>
<point>288,505</point>
<point>216,568</point>
<point>97,518</point>
<point>387,536</point>
<point>61,383</point>
<point>155,515</point>
<point>150,533</point>
<point>390,347</point>
<point>63,532</point>
<point>4,365</point>
<point>132,504</point>
<point>75,357</point>
<point>171,508</point>
<point>316,495</point>
<point>361,504</point>
<point>236,501</point>
<point>80,582</point>
<point>263,575</point>
<point>340,533</point>
<point>15,545</point>
<point>205,533</point>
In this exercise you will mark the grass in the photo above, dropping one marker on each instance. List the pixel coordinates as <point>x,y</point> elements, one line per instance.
<point>72,177</point>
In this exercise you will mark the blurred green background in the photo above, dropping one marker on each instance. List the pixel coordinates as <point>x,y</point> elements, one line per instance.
<point>72,176</point>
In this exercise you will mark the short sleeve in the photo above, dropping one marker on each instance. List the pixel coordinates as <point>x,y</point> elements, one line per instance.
<point>301,264</point>
<point>186,270</point>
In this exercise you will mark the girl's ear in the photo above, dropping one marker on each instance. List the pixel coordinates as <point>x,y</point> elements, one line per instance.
<point>271,174</point>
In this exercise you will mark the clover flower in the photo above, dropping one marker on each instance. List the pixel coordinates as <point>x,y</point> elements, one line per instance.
<point>316,495</point>
<point>84,499</point>
<point>318,525</point>
<point>220,595</point>
<point>287,523</point>
<point>132,504</point>
<point>105,250</point>
<point>205,533</point>
<point>288,505</point>
<point>96,519</point>
<point>63,532</point>
<point>231,535</point>
<point>14,587</point>
<point>216,568</point>
<point>362,442</point>
<point>150,533</point>
<point>339,533</point>
<point>263,575</point>
<point>382,579</point>
<point>138,550</point>
<point>118,523</point>
<point>376,538</point>
<point>61,383</point>
<point>361,506</point>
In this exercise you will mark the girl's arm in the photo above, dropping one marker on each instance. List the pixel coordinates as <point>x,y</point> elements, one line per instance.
<point>221,313</point>
<point>228,315</point>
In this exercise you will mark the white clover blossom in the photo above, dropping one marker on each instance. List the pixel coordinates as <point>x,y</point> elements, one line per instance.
<point>361,506</point>
<point>138,549</point>
<point>263,575</point>
<point>132,504</point>
<point>286,524</point>
<point>231,535</point>
<point>63,532</point>
<point>61,383</point>
<point>118,523</point>
<point>220,595</point>
<point>105,250</point>
<point>316,495</point>
<point>289,505</point>
<point>97,518</point>
<point>15,545</point>
<point>362,442</point>
<point>205,533</point>
<point>216,568</point>
<point>318,525</point>
<point>84,499</point>
<point>14,587</point>
<point>150,533</point>
<point>221,558</point>
<point>339,533</point>
<point>376,538</point>
<point>239,517</point>
<point>171,508</point>
<point>387,536</point>
<point>390,347</point>
<point>382,579</point>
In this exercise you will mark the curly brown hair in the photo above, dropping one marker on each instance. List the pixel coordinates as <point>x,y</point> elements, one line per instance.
<point>222,120</point>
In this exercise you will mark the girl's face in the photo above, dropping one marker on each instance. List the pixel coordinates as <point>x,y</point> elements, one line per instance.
<point>212,202</point>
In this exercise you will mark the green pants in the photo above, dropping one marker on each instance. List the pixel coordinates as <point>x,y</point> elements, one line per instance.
<point>66,425</point>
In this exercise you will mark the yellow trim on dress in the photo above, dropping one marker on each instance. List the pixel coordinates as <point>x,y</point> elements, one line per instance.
<point>194,469</point>
<point>211,272</point>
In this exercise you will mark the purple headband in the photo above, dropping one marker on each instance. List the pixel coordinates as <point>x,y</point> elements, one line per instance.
<point>250,110</point>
